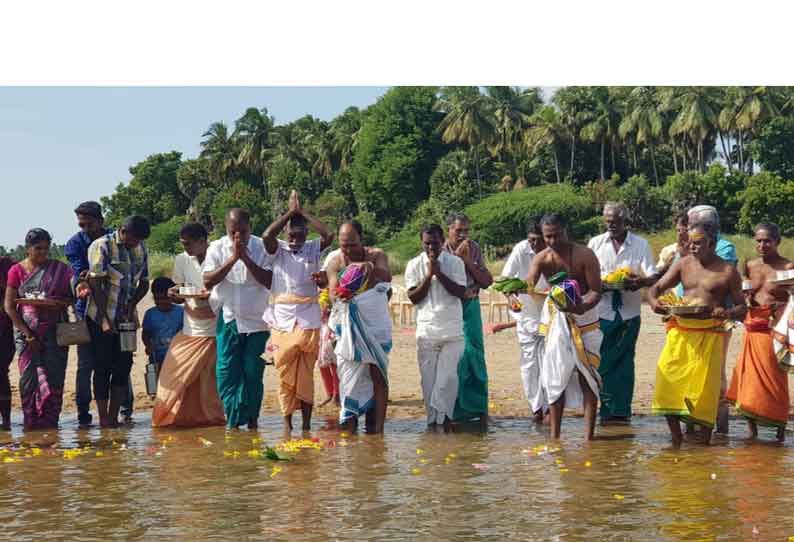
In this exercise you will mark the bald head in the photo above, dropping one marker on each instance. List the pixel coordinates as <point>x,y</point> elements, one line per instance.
<point>236,214</point>
<point>238,221</point>
<point>350,238</point>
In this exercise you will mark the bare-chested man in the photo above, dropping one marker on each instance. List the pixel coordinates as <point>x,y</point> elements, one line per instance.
<point>569,374</point>
<point>688,374</point>
<point>362,358</point>
<point>759,387</point>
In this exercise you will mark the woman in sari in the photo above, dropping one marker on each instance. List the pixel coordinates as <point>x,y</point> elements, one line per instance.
<point>42,363</point>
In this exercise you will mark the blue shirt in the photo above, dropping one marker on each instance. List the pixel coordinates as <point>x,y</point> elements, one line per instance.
<point>161,328</point>
<point>76,251</point>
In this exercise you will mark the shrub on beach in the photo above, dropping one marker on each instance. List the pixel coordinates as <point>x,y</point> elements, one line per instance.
<point>502,218</point>
<point>767,198</point>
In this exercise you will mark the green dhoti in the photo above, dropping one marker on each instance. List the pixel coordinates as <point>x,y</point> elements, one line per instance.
<point>472,399</point>
<point>617,365</point>
<point>239,372</point>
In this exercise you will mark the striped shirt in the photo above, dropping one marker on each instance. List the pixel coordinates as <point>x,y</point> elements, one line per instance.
<point>124,268</point>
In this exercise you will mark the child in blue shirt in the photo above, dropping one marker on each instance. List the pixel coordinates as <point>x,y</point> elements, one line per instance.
<point>161,322</point>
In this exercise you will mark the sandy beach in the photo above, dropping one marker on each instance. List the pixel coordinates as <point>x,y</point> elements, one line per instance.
<point>405,398</point>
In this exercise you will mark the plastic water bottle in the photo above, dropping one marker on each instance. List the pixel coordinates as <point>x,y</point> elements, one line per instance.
<point>151,379</point>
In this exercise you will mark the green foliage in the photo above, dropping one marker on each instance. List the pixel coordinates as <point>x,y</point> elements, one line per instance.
<point>241,194</point>
<point>396,150</point>
<point>648,207</point>
<point>502,218</point>
<point>161,264</point>
<point>165,236</point>
<point>767,198</point>
<point>152,192</point>
<point>330,208</point>
<point>373,230</point>
<point>773,147</point>
<point>286,175</point>
<point>715,187</point>
<point>453,184</point>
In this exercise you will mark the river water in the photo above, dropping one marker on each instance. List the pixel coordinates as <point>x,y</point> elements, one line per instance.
<point>508,483</point>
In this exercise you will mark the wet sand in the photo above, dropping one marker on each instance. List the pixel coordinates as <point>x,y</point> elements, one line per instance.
<point>405,398</point>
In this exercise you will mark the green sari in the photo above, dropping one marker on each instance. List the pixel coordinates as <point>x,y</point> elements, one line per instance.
<point>472,399</point>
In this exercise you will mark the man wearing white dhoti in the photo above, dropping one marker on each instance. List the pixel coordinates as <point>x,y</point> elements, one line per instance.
<point>359,282</point>
<point>570,324</point>
<point>530,342</point>
<point>436,283</point>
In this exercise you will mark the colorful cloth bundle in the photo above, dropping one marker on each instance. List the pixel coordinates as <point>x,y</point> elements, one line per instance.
<point>352,281</point>
<point>566,293</point>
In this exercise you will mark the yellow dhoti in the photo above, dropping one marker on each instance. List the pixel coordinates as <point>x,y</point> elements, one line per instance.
<point>689,369</point>
<point>294,354</point>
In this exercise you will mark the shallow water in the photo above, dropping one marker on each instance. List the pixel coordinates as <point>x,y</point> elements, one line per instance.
<point>138,483</point>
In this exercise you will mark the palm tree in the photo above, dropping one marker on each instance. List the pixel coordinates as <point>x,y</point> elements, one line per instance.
<point>321,145</point>
<point>467,121</point>
<point>254,132</point>
<point>545,130</point>
<point>748,109</point>
<point>697,119</point>
<point>511,107</point>
<point>644,121</point>
<point>220,150</point>
<point>344,132</point>
<point>601,124</point>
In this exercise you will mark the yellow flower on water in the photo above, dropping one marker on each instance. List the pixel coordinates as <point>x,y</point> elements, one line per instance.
<point>275,471</point>
<point>618,497</point>
<point>563,470</point>
<point>4,451</point>
<point>423,461</point>
<point>447,460</point>
<point>416,471</point>
<point>36,451</point>
<point>11,460</point>
<point>344,435</point>
<point>453,456</point>
<point>558,461</point>
<point>99,454</point>
<point>254,453</point>
<point>588,464</point>
<point>71,454</point>
<point>256,440</point>
<point>419,451</point>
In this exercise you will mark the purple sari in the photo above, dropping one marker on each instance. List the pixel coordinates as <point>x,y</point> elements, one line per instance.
<point>42,375</point>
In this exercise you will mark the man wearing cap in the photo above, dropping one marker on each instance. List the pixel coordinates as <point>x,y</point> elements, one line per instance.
<point>92,227</point>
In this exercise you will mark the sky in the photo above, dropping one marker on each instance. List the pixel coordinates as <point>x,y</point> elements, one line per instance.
<point>63,145</point>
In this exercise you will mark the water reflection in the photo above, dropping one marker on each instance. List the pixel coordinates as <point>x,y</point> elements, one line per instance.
<point>506,482</point>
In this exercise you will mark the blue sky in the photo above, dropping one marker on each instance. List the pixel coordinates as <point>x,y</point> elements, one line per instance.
<point>63,145</point>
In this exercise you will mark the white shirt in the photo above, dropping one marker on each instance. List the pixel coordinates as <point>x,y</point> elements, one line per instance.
<point>243,298</point>
<point>439,314</point>
<point>517,266</point>
<point>187,271</point>
<point>635,253</point>
<point>292,274</point>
